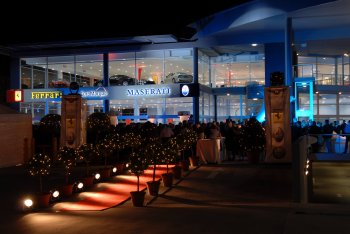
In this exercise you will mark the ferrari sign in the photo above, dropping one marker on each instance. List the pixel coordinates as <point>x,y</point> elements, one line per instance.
<point>14,95</point>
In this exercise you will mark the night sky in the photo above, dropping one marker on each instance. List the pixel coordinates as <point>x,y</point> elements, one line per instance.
<point>55,21</point>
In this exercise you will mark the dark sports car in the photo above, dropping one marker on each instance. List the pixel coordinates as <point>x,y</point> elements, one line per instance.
<point>118,80</point>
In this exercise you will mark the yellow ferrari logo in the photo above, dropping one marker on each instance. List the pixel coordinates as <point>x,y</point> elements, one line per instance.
<point>18,96</point>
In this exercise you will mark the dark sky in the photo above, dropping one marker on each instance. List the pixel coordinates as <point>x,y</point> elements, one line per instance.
<point>55,21</point>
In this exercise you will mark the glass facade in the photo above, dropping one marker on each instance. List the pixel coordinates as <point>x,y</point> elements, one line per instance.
<point>59,71</point>
<point>203,69</point>
<point>237,70</point>
<point>326,70</point>
<point>170,66</point>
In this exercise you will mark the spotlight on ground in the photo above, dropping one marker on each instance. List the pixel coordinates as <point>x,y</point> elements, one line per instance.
<point>97,176</point>
<point>27,204</point>
<point>55,195</point>
<point>78,186</point>
<point>114,170</point>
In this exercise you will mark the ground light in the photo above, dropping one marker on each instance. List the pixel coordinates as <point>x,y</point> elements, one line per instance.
<point>27,204</point>
<point>55,195</point>
<point>114,170</point>
<point>97,177</point>
<point>78,186</point>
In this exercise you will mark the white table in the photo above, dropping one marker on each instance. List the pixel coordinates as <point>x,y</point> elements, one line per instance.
<point>210,150</point>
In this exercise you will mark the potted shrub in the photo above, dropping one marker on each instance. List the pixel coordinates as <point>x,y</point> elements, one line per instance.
<point>138,164</point>
<point>170,152</point>
<point>185,141</point>
<point>252,139</point>
<point>106,148</point>
<point>154,152</point>
<point>97,127</point>
<point>68,157</point>
<point>86,153</point>
<point>40,165</point>
<point>48,134</point>
<point>131,140</point>
<point>118,145</point>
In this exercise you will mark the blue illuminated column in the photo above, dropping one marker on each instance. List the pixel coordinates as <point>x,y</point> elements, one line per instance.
<point>195,100</point>
<point>105,80</point>
<point>288,52</point>
<point>136,111</point>
<point>274,60</point>
<point>304,108</point>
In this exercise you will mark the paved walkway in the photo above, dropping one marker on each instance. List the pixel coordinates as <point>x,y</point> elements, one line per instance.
<point>235,198</point>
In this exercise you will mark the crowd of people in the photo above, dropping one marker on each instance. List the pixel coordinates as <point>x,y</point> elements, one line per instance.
<point>229,129</point>
<point>324,132</point>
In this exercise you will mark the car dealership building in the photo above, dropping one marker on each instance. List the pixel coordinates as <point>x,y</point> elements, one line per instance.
<point>230,60</point>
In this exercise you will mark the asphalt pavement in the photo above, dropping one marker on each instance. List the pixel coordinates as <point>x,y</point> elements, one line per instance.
<point>226,198</point>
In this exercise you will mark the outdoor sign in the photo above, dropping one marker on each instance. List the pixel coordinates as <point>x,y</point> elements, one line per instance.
<point>278,133</point>
<point>104,93</point>
<point>14,95</point>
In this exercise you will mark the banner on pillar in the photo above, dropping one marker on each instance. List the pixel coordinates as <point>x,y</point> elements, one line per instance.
<point>73,118</point>
<point>278,130</point>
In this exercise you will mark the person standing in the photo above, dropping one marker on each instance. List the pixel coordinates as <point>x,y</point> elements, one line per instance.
<point>327,130</point>
<point>347,135</point>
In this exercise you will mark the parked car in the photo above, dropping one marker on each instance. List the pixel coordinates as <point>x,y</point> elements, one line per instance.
<point>39,85</point>
<point>178,77</point>
<point>118,80</point>
<point>148,81</point>
<point>58,84</point>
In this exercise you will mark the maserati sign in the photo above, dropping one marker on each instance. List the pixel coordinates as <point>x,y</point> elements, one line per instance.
<point>148,91</point>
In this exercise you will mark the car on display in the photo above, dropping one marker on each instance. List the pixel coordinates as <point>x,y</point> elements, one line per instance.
<point>58,84</point>
<point>148,81</point>
<point>39,85</point>
<point>124,80</point>
<point>118,80</point>
<point>178,77</point>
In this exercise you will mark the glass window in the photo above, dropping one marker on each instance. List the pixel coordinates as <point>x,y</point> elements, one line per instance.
<point>327,104</point>
<point>344,104</point>
<point>149,66</point>
<point>61,71</point>
<point>33,72</point>
<point>228,107</point>
<point>237,70</point>
<point>178,66</point>
<point>174,105</point>
<point>251,107</point>
<point>306,67</point>
<point>38,111</point>
<point>203,69</point>
<point>88,69</point>
<point>26,76</point>
<point>346,70</point>
<point>206,107</point>
<point>122,65</point>
<point>325,71</point>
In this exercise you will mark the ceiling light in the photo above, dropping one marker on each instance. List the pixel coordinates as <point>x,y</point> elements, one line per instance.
<point>254,44</point>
